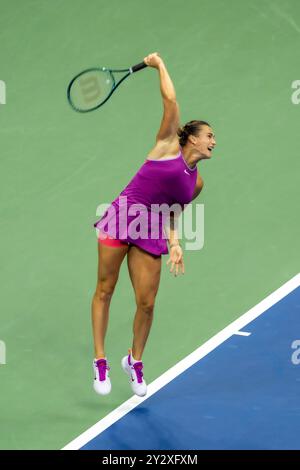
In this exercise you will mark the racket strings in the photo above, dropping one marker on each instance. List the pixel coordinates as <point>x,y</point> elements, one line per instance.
<point>90,89</point>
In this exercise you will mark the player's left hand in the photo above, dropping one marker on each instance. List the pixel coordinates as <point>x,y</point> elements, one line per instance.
<point>176,260</point>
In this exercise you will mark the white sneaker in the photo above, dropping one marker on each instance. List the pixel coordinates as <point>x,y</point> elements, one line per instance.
<point>102,383</point>
<point>134,371</point>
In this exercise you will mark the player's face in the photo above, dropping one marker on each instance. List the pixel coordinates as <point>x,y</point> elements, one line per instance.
<point>205,142</point>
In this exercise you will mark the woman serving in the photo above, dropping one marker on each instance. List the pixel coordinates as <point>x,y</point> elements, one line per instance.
<point>168,176</point>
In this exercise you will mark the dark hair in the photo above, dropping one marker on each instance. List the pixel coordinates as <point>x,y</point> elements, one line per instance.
<point>190,128</point>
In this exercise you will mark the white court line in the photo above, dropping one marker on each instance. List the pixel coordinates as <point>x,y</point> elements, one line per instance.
<point>185,363</point>
<point>242,333</point>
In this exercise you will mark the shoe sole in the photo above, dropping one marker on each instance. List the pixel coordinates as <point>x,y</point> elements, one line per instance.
<point>101,393</point>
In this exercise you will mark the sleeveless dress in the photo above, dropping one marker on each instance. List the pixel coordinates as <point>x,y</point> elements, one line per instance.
<point>138,214</point>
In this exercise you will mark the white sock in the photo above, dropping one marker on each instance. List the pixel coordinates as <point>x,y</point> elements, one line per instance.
<point>132,360</point>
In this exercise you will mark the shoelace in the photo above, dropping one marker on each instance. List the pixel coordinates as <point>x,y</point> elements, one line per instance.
<point>102,368</point>
<point>138,366</point>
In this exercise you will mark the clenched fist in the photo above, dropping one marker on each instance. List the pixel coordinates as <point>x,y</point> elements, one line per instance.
<point>153,60</point>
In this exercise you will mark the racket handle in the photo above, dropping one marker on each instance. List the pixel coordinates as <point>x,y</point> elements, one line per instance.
<point>138,67</point>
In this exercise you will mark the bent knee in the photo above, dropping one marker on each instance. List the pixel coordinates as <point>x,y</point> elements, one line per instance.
<point>146,305</point>
<point>104,291</point>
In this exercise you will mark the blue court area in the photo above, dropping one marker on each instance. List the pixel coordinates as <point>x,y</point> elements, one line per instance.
<point>245,394</point>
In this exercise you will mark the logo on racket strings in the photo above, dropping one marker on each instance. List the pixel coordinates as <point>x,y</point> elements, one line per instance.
<point>90,89</point>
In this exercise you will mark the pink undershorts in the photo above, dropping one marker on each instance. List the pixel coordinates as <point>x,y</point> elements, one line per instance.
<point>110,241</point>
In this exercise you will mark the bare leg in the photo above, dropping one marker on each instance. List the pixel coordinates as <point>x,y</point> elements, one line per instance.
<point>144,270</point>
<point>109,263</point>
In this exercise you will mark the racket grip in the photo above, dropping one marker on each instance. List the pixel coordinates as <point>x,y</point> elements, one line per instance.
<point>138,67</point>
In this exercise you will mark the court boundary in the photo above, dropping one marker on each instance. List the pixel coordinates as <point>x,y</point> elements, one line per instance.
<point>188,361</point>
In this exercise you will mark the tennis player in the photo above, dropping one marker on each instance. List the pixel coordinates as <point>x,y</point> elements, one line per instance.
<point>169,175</point>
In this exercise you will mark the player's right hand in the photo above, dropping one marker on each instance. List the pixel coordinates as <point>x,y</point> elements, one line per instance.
<point>153,60</point>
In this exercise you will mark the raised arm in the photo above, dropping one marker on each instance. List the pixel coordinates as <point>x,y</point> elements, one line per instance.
<point>167,133</point>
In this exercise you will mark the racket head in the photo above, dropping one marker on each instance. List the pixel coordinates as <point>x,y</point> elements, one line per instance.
<point>90,89</point>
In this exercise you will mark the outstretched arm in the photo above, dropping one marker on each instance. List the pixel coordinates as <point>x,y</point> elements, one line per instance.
<point>176,253</point>
<point>170,120</point>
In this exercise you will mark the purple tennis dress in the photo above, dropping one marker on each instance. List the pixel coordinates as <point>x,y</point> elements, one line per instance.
<point>138,214</point>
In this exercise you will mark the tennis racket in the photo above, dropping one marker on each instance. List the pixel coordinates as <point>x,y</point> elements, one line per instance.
<point>91,88</point>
